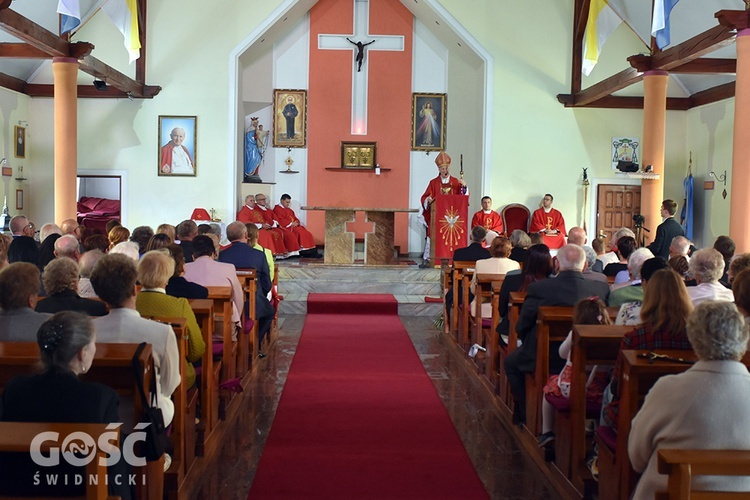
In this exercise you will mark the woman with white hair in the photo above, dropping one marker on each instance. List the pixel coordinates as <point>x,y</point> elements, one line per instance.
<point>631,290</point>
<point>702,408</point>
<point>707,266</point>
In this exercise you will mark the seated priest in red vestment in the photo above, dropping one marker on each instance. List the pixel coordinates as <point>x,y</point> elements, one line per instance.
<point>291,243</point>
<point>488,219</point>
<point>288,220</point>
<point>267,238</point>
<point>444,183</point>
<point>549,223</point>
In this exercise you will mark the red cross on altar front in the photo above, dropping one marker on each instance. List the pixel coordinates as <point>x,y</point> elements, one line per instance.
<point>359,77</point>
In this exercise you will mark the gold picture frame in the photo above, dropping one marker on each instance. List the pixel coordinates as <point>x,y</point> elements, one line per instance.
<point>428,122</point>
<point>289,117</point>
<point>185,142</point>
<point>359,154</point>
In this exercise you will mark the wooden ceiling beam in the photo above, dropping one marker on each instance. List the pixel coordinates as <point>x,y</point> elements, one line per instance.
<point>39,37</point>
<point>21,51</point>
<point>580,16</point>
<point>712,95</point>
<point>606,87</point>
<point>84,91</point>
<point>111,76</point>
<point>634,102</point>
<point>12,83</point>
<point>708,66</point>
<point>49,43</point>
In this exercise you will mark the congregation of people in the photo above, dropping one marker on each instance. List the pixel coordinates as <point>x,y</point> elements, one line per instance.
<point>68,289</point>
<point>673,295</point>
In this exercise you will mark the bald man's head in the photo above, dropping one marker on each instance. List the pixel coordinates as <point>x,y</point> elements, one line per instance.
<point>577,236</point>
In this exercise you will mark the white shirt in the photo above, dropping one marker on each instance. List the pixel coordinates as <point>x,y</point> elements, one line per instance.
<point>709,291</point>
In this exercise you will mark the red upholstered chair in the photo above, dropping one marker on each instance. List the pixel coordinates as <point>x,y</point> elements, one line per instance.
<point>515,216</point>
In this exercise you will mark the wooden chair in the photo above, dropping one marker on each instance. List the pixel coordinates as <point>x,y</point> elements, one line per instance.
<point>16,437</point>
<point>682,465</point>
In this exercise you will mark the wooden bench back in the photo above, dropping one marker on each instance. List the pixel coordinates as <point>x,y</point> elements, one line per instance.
<point>682,465</point>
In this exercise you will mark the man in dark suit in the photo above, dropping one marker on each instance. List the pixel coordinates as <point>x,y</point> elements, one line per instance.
<point>666,231</point>
<point>473,253</point>
<point>244,256</point>
<point>564,290</point>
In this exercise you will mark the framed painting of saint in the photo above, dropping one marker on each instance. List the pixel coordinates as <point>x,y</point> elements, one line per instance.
<point>289,118</point>
<point>428,122</point>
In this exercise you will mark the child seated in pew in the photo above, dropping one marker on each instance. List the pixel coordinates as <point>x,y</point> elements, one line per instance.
<point>67,344</point>
<point>590,311</point>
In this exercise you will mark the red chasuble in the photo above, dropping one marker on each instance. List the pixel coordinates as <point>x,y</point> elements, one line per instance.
<point>491,221</point>
<point>541,221</point>
<point>434,188</point>
<point>266,238</point>
<point>287,218</point>
<point>289,239</point>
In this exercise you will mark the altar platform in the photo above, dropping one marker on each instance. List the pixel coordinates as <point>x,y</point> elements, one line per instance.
<point>404,279</point>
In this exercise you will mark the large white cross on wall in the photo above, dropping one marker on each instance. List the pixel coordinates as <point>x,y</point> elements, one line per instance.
<point>359,78</point>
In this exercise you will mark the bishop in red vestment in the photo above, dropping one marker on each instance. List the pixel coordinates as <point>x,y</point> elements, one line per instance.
<point>488,219</point>
<point>444,183</point>
<point>266,239</point>
<point>550,223</point>
<point>288,220</point>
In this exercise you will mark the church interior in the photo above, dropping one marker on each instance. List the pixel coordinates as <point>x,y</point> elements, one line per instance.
<point>522,95</point>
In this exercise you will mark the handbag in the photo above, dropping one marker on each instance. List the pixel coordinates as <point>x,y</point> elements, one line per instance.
<point>156,441</point>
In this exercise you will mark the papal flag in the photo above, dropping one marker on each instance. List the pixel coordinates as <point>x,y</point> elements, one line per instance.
<point>124,14</point>
<point>70,10</point>
<point>602,22</point>
<point>660,25</point>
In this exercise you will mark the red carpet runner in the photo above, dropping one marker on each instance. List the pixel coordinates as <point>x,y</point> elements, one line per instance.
<point>359,417</point>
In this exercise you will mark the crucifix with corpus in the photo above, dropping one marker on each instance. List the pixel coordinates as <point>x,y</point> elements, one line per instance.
<point>356,43</point>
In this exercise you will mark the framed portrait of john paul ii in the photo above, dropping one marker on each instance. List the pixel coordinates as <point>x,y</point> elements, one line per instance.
<point>289,118</point>
<point>428,122</point>
<point>178,136</point>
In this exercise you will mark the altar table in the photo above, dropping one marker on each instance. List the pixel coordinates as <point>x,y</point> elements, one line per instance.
<point>339,243</point>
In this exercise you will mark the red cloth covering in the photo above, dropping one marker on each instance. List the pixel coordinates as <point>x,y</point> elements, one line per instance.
<point>289,239</point>
<point>451,225</point>
<point>541,220</point>
<point>434,188</point>
<point>286,218</point>
<point>491,221</point>
<point>266,238</point>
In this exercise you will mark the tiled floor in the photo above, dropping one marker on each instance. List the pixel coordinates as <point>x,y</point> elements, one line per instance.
<point>504,469</point>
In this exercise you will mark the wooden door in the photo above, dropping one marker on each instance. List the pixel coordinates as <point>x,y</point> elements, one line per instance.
<point>616,206</point>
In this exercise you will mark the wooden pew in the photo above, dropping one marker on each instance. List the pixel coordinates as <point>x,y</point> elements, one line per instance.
<point>464,309</point>
<point>616,476</point>
<point>222,297</point>
<point>209,380</point>
<point>486,337</point>
<point>681,465</point>
<point>16,437</point>
<point>446,273</point>
<point>497,374</point>
<point>459,268</point>
<point>112,366</point>
<point>592,345</point>
<point>514,311</point>
<point>248,344</point>
<point>183,423</point>
<point>552,325</point>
